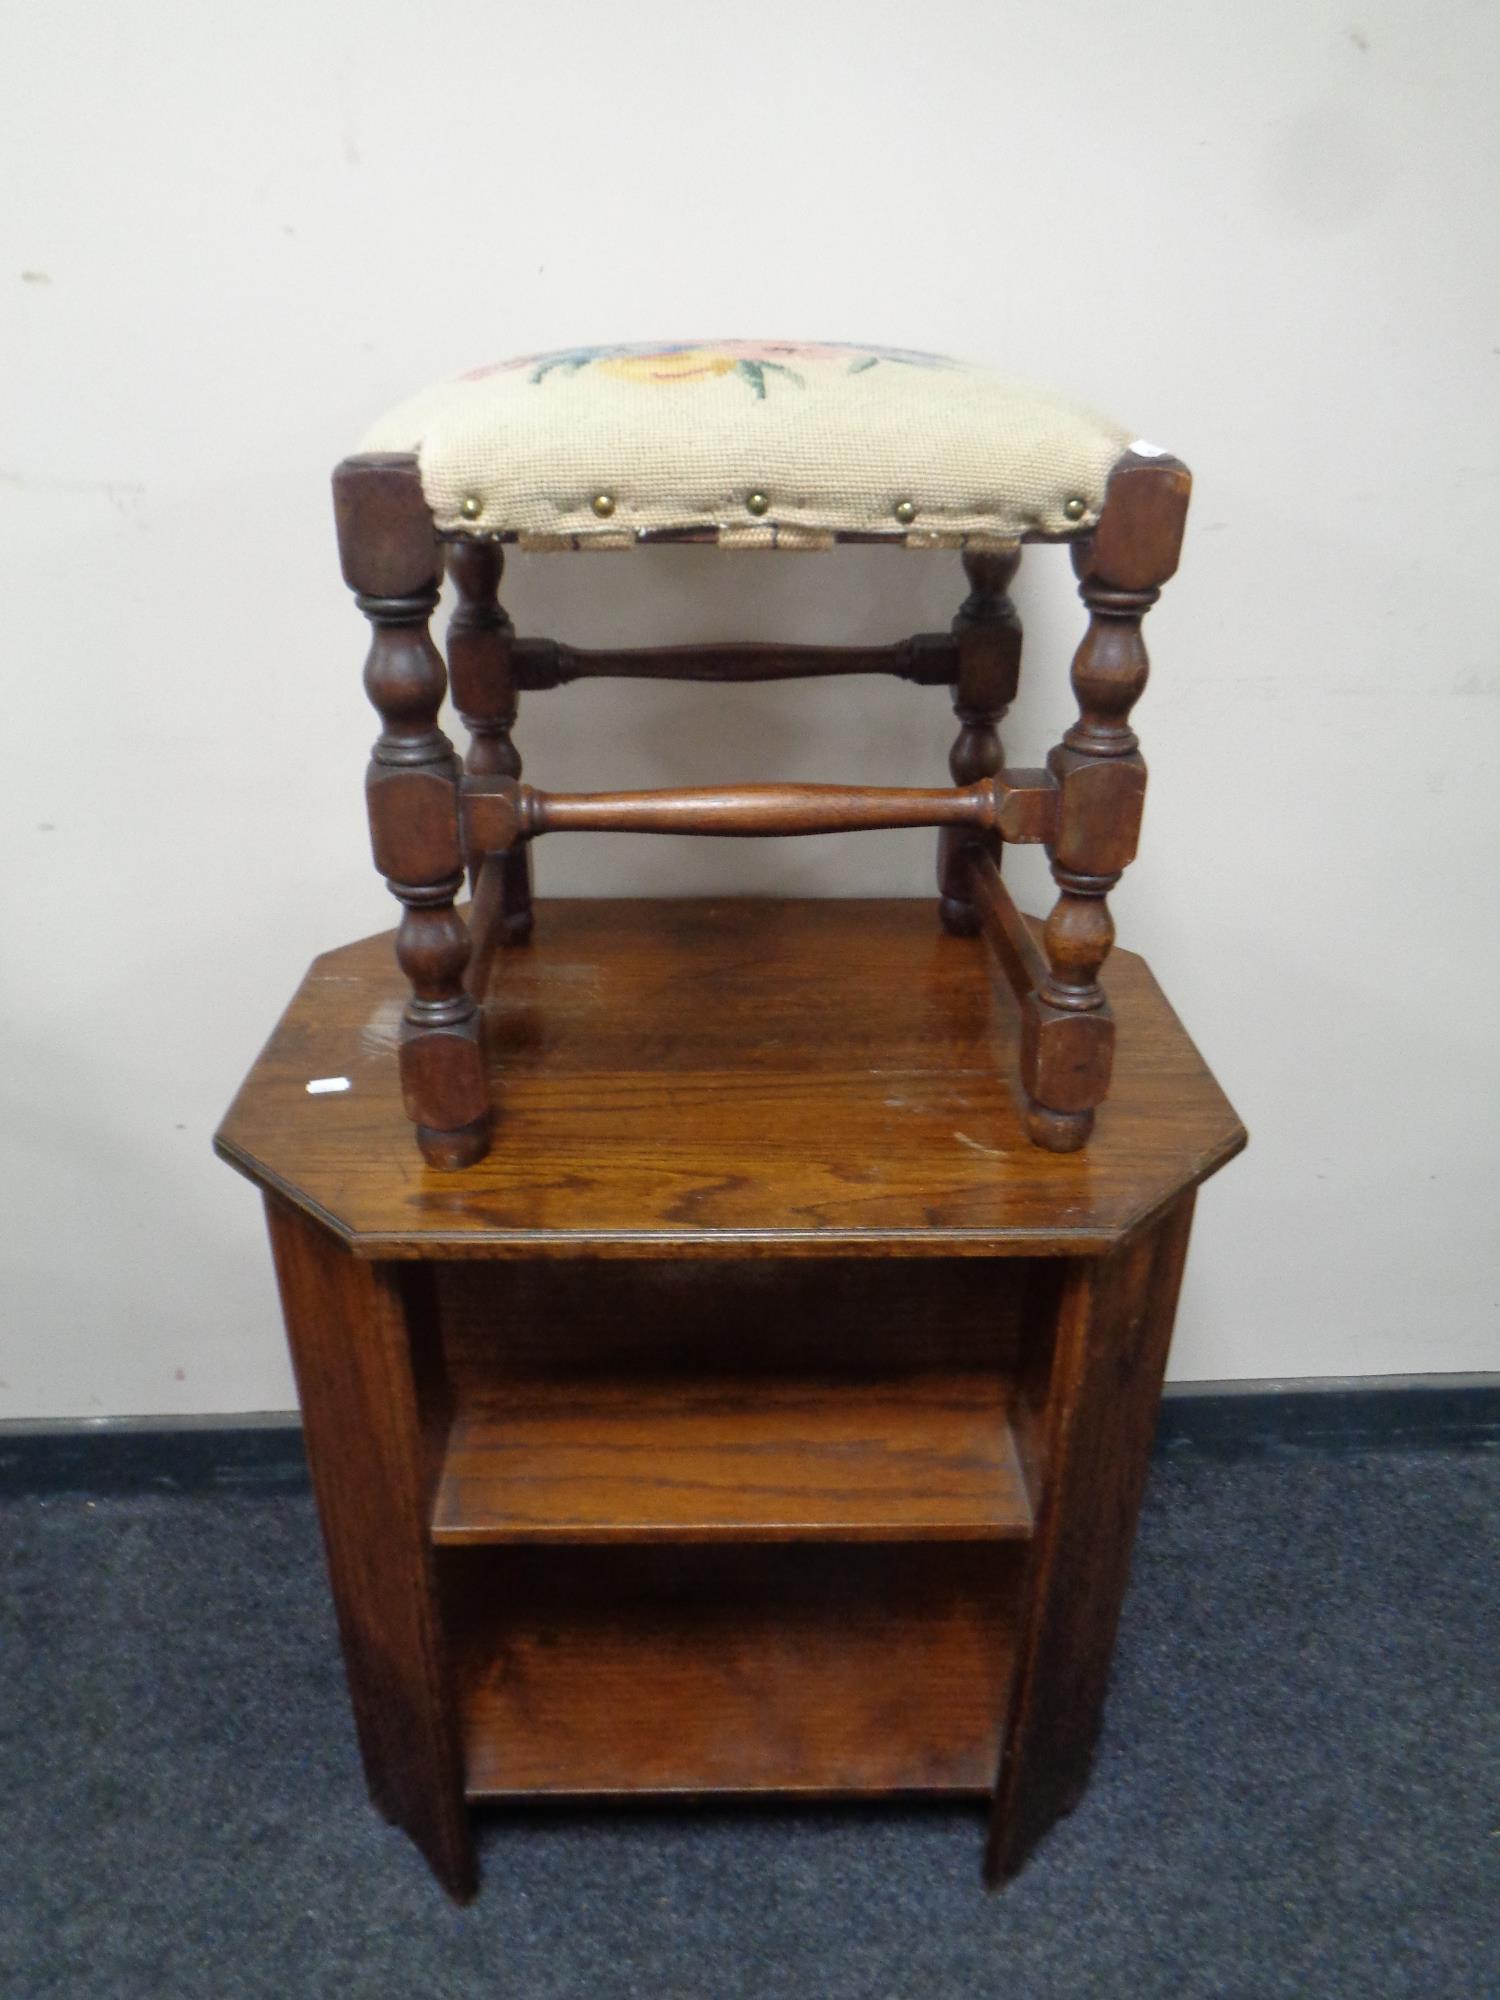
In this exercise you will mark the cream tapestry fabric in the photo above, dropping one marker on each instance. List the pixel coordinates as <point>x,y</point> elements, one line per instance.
<point>766,443</point>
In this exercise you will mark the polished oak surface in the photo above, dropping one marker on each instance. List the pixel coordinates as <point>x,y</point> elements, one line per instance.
<point>697,1458</point>
<point>809,1669</point>
<point>723,1078</point>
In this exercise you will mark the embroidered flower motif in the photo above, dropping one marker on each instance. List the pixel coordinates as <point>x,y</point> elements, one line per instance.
<point>752,361</point>
<point>674,364</point>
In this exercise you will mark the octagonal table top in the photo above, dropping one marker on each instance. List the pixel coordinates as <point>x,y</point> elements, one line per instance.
<point>726,1078</point>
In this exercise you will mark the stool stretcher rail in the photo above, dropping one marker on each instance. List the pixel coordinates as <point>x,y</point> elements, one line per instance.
<point>1004,928</point>
<point>499,813</point>
<point>930,659</point>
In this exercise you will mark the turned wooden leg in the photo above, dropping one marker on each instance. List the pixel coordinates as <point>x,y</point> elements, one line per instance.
<point>366,1403</point>
<point>480,638</point>
<point>989,667</point>
<point>1114,1327</point>
<point>1067,1041</point>
<point>390,560</point>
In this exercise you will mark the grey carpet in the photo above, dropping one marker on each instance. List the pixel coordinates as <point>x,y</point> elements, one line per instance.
<point>1298,1793</point>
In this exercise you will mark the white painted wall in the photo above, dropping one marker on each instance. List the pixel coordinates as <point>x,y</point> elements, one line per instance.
<point>1265,235</point>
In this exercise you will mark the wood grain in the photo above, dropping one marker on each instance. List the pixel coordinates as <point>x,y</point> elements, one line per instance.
<point>1006,932</point>
<point>519,1318</point>
<point>724,1079</point>
<point>987,639</point>
<point>361,1342</point>
<point>481,645</point>
<point>805,1669</point>
<point>1114,1327</point>
<point>929,659</point>
<point>1069,1034</point>
<point>696,1458</point>
<point>412,795</point>
<point>742,811</point>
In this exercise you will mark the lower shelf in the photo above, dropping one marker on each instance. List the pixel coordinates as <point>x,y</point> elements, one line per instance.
<point>800,1668</point>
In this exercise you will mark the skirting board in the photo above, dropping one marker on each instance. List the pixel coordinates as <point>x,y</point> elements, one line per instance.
<point>261,1454</point>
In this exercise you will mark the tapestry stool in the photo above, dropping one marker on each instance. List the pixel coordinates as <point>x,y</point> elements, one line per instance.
<point>775,445</point>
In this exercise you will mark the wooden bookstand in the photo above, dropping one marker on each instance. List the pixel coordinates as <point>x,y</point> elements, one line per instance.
<point>767,1415</point>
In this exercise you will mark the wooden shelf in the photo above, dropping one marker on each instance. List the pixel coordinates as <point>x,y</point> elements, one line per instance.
<point>806,1670</point>
<point>698,1458</point>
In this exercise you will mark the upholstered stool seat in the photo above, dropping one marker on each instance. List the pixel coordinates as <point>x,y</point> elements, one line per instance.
<point>759,444</point>
<point>762,443</point>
